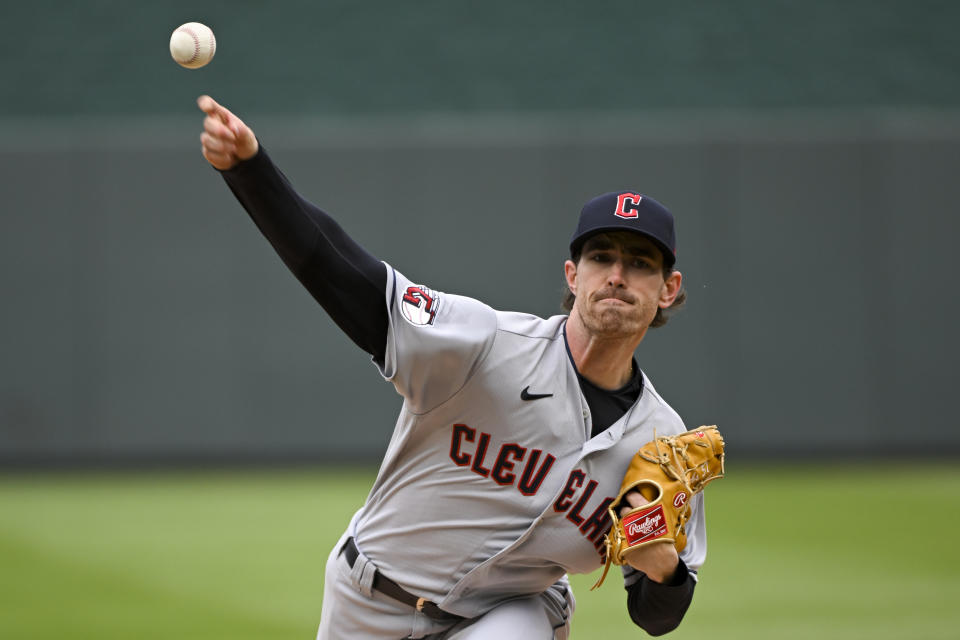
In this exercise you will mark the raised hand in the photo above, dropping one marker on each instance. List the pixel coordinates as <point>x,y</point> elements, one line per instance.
<point>226,139</point>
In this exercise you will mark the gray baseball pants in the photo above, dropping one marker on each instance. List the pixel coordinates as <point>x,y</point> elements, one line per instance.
<point>352,609</point>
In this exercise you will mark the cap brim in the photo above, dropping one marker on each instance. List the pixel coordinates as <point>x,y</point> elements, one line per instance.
<point>669,258</point>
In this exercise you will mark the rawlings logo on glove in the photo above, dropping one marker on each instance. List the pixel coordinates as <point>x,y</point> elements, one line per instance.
<point>667,472</point>
<point>645,525</point>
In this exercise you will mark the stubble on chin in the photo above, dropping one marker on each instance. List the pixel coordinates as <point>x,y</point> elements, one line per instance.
<point>612,321</point>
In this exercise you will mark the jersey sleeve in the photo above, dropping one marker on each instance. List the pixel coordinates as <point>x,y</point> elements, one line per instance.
<point>435,341</point>
<point>694,554</point>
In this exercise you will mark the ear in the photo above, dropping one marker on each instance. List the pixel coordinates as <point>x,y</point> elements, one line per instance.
<point>671,289</point>
<point>570,272</point>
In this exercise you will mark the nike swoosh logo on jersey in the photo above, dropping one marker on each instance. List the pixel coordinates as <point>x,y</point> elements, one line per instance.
<point>526,395</point>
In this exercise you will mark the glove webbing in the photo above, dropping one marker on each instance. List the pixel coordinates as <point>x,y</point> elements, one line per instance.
<point>694,476</point>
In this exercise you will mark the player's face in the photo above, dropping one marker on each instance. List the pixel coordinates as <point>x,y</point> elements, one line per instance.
<point>619,284</point>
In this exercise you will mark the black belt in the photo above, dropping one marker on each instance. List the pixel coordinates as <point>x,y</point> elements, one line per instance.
<point>390,588</point>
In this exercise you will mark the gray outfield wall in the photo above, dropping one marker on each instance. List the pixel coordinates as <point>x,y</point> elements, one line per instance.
<point>144,317</point>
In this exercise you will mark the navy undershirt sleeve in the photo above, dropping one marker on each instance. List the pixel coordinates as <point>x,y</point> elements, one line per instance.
<point>658,608</point>
<point>347,281</point>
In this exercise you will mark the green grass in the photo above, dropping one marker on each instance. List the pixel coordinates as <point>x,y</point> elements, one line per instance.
<point>846,551</point>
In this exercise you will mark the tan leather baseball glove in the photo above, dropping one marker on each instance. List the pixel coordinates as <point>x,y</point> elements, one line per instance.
<point>667,471</point>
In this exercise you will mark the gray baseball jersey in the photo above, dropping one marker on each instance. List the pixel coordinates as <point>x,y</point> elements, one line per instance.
<point>492,486</point>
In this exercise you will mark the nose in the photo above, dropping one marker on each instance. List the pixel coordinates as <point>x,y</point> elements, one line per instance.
<point>615,275</point>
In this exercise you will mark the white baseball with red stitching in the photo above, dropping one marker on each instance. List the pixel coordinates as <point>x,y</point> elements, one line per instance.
<point>192,45</point>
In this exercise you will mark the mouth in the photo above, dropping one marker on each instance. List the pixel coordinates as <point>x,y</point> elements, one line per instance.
<point>614,297</point>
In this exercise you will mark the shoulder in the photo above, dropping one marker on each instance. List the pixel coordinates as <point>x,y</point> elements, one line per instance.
<point>420,305</point>
<point>668,420</point>
<point>530,326</point>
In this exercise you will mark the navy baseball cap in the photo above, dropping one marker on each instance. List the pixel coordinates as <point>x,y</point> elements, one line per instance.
<point>627,211</point>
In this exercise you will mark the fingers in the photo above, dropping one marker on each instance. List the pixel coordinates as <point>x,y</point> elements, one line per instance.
<point>213,109</point>
<point>226,139</point>
<point>206,103</point>
<point>217,145</point>
<point>218,140</point>
<point>216,111</point>
<point>215,128</point>
<point>633,499</point>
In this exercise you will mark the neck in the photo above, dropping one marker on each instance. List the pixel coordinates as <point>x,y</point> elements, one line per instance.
<point>605,361</point>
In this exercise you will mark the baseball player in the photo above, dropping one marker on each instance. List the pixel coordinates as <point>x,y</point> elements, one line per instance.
<point>515,431</point>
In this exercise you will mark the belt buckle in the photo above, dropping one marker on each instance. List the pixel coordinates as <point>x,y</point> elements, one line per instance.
<point>420,603</point>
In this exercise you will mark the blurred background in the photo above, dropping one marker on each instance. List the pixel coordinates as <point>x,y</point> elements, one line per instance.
<point>809,150</point>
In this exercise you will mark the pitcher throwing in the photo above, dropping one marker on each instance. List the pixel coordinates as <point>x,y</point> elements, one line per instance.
<point>515,431</point>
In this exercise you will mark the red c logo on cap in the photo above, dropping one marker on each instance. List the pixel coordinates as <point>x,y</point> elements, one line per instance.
<point>622,210</point>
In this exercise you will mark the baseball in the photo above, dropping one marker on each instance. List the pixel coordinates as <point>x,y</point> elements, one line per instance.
<point>192,45</point>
